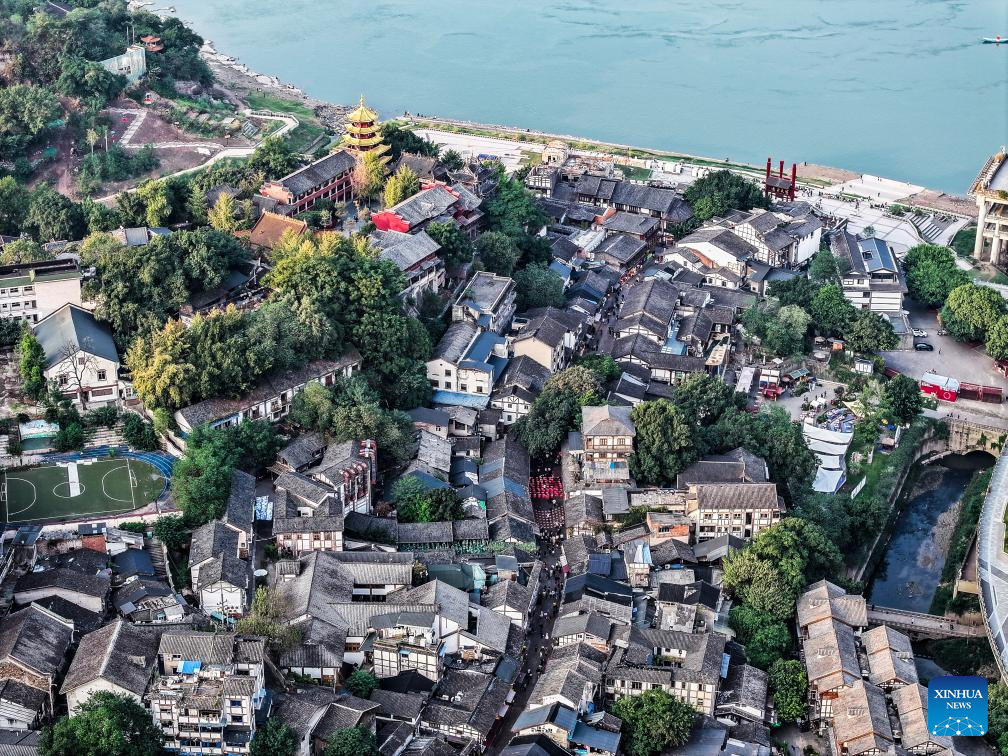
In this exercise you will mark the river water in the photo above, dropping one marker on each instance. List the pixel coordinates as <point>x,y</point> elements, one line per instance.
<point>901,88</point>
<point>911,570</point>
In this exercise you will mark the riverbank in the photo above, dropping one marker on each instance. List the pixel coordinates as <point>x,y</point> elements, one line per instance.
<point>249,83</point>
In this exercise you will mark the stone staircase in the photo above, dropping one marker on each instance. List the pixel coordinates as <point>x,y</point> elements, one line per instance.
<point>156,550</point>
<point>932,226</point>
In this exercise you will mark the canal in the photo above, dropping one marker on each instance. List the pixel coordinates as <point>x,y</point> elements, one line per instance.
<point>910,570</point>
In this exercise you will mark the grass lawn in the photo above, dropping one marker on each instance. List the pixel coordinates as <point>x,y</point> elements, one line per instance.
<point>63,491</point>
<point>279,105</point>
<point>635,173</point>
<point>963,241</point>
<point>302,136</point>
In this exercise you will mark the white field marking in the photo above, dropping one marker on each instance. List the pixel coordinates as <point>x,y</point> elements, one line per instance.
<point>74,480</point>
<point>80,489</point>
<point>34,497</point>
<point>82,514</point>
<point>110,496</point>
<point>129,475</point>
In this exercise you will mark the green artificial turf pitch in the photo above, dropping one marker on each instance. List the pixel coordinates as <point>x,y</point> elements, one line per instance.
<point>107,486</point>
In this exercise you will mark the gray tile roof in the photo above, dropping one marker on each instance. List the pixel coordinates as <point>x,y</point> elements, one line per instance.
<point>318,173</point>
<point>63,579</point>
<point>120,653</point>
<point>404,250</point>
<point>606,421</point>
<point>302,450</point>
<point>396,704</point>
<point>212,538</point>
<point>453,343</point>
<point>19,693</point>
<point>74,325</point>
<point>19,742</point>
<point>425,205</point>
<point>34,638</point>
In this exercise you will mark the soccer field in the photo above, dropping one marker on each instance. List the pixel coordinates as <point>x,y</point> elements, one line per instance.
<point>74,489</point>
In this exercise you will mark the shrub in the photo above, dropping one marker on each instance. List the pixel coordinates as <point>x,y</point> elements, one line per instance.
<point>69,437</point>
<point>106,416</point>
<point>139,433</point>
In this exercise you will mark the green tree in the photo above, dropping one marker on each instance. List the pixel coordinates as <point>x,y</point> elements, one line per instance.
<point>351,741</point>
<point>139,433</point>
<point>401,139</point>
<point>452,160</point>
<point>156,202</point>
<point>867,513</point>
<point>445,505</point>
<point>721,191</point>
<point>269,617</point>
<point>274,738</point>
<point>395,350</point>
<point>832,313</point>
<point>759,584</point>
<point>53,217</point>
<point>106,724</point>
<point>222,216</point>
<point>931,274</point>
<point>904,396</point>
<point>870,332</point>
<point>557,410</point>
<point>361,683</point>
<point>971,311</point>
<point>513,210</point>
<point>14,200</point>
<point>23,250</point>
<point>538,286</point>
<point>653,722</point>
<point>793,291</point>
<point>605,367</point>
<point>785,331</point>
<point>274,158</point>
<point>790,689</point>
<point>997,339</point>
<point>702,399</point>
<point>770,644</point>
<point>498,252</point>
<point>997,704</point>
<point>664,443</point>
<point>25,112</point>
<point>456,248</point>
<point>368,175</point>
<point>31,365</point>
<point>171,531</point>
<point>824,268</point>
<point>402,184</point>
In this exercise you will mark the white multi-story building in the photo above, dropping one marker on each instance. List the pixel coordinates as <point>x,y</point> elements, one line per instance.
<point>80,356</point>
<point>488,300</point>
<point>31,291</point>
<point>207,692</point>
<point>874,281</point>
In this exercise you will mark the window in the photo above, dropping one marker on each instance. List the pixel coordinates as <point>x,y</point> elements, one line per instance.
<point>62,380</point>
<point>28,289</point>
<point>101,375</point>
<point>447,371</point>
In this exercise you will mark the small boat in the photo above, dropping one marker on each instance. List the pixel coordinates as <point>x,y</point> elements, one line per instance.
<point>995,40</point>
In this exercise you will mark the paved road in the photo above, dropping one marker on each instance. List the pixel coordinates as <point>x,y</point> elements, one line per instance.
<point>538,649</point>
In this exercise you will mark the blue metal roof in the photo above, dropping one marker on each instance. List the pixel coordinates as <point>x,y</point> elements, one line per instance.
<point>599,740</point>
<point>458,399</point>
<point>876,255</point>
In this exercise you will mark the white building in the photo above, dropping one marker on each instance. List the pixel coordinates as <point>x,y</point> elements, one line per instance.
<point>31,291</point>
<point>80,356</point>
<point>874,281</point>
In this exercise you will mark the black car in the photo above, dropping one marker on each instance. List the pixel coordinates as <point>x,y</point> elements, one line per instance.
<point>923,346</point>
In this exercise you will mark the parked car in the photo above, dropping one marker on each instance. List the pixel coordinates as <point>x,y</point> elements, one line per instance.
<point>923,346</point>
<point>920,333</point>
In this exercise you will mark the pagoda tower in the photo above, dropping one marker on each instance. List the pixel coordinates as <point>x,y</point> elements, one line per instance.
<point>362,131</point>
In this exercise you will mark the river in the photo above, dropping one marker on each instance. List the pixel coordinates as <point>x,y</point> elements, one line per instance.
<point>910,571</point>
<point>901,88</point>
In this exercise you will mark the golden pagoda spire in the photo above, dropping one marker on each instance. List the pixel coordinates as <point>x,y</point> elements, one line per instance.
<point>363,131</point>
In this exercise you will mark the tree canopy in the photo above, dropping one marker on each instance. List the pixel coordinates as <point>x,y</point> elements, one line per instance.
<point>274,738</point>
<point>351,741</point>
<point>870,332</point>
<point>557,410</point>
<point>498,252</point>
<point>360,683</point>
<point>931,274</point>
<point>654,722</point>
<point>402,184</point>
<point>824,268</point>
<point>664,443</point>
<point>832,313</point>
<point>971,311</point>
<point>721,191</point>
<point>106,724</point>
<point>456,247</point>
<point>538,286</point>
<point>790,689</point>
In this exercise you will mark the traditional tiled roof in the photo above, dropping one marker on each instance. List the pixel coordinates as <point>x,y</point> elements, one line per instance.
<point>270,228</point>
<point>120,653</point>
<point>606,421</point>
<point>35,638</point>
<point>319,173</point>
<point>890,656</point>
<point>831,656</point>
<point>824,601</point>
<point>64,579</point>
<point>860,719</point>
<point>404,250</point>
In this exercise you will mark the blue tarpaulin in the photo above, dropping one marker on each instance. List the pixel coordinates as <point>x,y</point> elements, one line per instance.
<point>191,667</point>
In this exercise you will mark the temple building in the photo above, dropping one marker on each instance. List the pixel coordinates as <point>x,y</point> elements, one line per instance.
<point>363,132</point>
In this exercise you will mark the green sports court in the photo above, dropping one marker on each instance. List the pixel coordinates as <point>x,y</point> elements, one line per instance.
<point>65,490</point>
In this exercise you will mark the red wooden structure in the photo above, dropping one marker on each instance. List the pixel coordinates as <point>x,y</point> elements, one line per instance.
<point>780,186</point>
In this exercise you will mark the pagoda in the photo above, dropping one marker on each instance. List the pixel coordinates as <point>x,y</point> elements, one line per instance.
<point>363,133</point>
<point>152,43</point>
